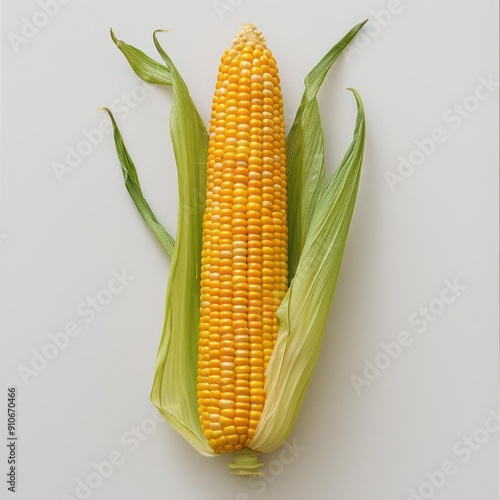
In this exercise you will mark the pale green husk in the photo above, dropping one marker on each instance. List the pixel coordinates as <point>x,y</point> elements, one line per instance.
<point>174,385</point>
<point>306,156</point>
<point>319,219</point>
<point>304,310</point>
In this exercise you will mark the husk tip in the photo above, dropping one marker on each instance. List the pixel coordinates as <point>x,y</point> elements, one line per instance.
<point>161,30</point>
<point>109,113</point>
<point>113,36</point>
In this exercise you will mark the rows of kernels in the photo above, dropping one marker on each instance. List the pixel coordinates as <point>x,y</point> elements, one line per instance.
<point>240,299</point>
<point>244,243</point>
<point>257,259</point>
<point>211,268</point>
<point>274,121</point>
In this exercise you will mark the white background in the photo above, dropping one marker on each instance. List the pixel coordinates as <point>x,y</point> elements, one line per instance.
<point>62,238</point>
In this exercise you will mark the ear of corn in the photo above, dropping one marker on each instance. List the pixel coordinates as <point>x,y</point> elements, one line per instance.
<point>244,256</point>
<point>241,263</point>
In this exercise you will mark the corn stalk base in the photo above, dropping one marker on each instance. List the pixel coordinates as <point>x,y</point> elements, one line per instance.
<point>245,464</point>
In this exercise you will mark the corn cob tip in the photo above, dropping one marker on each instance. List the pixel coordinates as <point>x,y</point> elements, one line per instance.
<point>248,33</point>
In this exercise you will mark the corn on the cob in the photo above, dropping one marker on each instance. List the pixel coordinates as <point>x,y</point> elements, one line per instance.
<point>243,270</point>
<point>244,255</point>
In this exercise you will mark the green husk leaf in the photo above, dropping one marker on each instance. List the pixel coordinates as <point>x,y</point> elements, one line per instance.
<point>305,155</point>
<point>134,188</point>
<point>304,311</point>
<point>174,385</point>
<point>144,67</point>
<point>150,71</point>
